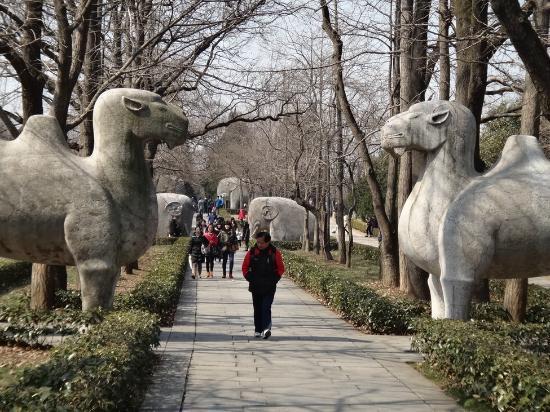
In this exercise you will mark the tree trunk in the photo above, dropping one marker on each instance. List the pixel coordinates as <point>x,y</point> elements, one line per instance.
<point>515,294</point>
<point>443,43</point>
<point>33,79</point>
<point>529,45</point>
<point>414,19</point>
<point>473,54</point>
<point>306,241</point>
<point>358,134</point>
<point>43,286</point>
<point>92,77</point>
<point>324,232</point>
<point>349,249</point>
<point>341,231</point>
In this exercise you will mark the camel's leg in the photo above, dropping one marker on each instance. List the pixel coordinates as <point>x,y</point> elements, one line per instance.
<point>464,256</point>
<point>92,240</point>
<point>98,280</point>
<point>457,294</point>
<point>436,294</point>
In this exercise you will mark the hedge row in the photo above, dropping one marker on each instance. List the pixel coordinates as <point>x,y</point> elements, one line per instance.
<point>488,361</point>
<point>107,367</point>
<point>13,272</point>
<point>102,370</point>
<point>538,301</point>
<point>159,291</point>
<point>359,304</point>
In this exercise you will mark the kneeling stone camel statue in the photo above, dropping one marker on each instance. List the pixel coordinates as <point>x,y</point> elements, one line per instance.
<point>97,213</point>
<point>461,226</point>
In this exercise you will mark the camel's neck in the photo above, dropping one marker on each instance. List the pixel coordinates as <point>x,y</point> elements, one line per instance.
<point>120,163</point>
<point>450,166</point>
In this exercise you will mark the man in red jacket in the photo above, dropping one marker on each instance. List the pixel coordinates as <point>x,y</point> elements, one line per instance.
<point>263,267</point>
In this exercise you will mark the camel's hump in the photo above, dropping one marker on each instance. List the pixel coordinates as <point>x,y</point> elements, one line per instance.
<point>521,152</point>
<point>42,130</point>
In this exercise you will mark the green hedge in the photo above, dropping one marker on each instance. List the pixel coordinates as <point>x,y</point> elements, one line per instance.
<point>159,291</point>
<point>107,367</point>
<point>487,362</point>
<point>359,304</point>
<point>538,301</point>
<point>102,370</point>
<point>14,273</point>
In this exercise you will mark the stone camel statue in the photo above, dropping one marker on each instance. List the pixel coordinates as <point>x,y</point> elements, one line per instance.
<point>97,212</point>
<point>459,225</point>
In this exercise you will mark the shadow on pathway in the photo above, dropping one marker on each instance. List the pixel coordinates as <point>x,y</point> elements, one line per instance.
<point>314,361</point>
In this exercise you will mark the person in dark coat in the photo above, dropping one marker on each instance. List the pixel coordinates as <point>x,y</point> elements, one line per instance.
<point>246,234</point>
<point>211,250</point>
<point>263,267</point>
<point>229,245</point>
<point>195,250</point>
<point>174,228</point>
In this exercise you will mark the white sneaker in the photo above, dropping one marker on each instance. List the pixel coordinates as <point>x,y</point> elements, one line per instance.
<point>266,334</point>
<point>257,334</point>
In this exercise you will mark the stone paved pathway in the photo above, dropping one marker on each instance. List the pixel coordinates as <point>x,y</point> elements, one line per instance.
<point>313,362</point>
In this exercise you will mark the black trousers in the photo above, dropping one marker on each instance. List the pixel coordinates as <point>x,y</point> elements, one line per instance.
<point>262,310</point>
<point>228,256</point>
<point>210,263</point>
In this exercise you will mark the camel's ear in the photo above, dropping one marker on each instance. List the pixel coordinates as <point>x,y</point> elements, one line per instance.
<point>133,105</point>
<point>439,117</point>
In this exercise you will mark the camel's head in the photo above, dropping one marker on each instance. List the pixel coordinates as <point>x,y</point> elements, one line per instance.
<point>147,115</point>
<point>426,126</point>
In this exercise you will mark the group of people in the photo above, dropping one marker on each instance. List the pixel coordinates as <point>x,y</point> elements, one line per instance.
<point>262,267</point>
<point>207,205</point>
<point>217,239</point>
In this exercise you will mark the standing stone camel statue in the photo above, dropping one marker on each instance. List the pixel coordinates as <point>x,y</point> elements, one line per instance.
<point>97,213</point>
<point>459,225</point>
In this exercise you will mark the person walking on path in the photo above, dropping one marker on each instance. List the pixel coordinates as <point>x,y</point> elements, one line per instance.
<point>196,245</point>
<point>263,267</point>
<point>246,234</point>
<point>200,206</point>
<point>242,213</point>
<point>229,246</point>
<point>211,250</point>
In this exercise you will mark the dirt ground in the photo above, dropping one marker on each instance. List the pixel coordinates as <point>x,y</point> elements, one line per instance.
<point>13,357</point>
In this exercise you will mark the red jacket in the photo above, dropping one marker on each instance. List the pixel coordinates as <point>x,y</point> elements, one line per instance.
<point>279,264</point>
<point>242,214</point>
<point>212,238</point>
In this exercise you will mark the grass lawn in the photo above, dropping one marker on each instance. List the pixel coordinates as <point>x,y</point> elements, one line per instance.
<point>363,272</point>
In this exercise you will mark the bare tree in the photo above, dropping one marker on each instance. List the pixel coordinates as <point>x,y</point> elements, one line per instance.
<point>529,46</point>
<point>515,295</point>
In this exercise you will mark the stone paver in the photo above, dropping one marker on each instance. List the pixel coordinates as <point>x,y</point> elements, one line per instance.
<point>314,361</point>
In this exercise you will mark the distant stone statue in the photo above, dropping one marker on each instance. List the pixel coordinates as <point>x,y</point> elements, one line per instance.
<point>97,212</point>
<point>461,226</point>
<point>282,217</point>
<point>174,205</point>
<point>234,190</point>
